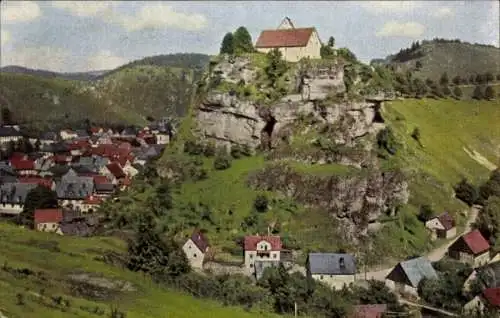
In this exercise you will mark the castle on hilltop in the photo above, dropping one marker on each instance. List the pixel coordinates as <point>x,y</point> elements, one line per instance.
<point>294,43</point>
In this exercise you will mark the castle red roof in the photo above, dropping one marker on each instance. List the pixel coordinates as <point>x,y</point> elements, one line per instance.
<point>48,216</point>
<point>492,295</point>
<point>284,38</point>
<point>252,241</point>
<point>476,242</point>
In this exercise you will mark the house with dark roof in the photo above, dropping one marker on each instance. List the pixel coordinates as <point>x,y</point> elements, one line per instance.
<point>442,226</point>
<point>333,269</point>
<point>12,197</point>
<point>47,220</point>
<point>8,134</point>
<point>48,138</point>
<point>405,276</point>
<point>261,248</point>
<point>488,301</point>
<point>471,248</point>
<point>113,171</point>
<point>72,189</point>
<point>23,166</point>
<point>196,248</point>
<point>293,43</point>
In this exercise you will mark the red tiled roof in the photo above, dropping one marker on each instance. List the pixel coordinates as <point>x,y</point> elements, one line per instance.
<point>284,38</point>
<point>492,295</point>
<point>22,164</point>
<point>18,156</point>
<point>369,311</point>
<point>61,158</point>
<point>476,242</point>
<point>115,170</point>
<point>92,200</point>
<point>45,182</point>
<point>48,216</point>
<point>98,179</point>
<point>200,240</point>
<point>447,221</point>
<point>252,241</point>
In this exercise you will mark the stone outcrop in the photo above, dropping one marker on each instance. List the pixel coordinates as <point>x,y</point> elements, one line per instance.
<point>356,199</point>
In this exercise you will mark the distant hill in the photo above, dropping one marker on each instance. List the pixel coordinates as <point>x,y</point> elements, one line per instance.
<point>152,87</point>
<point>79,76</point>
<point>430,59</point>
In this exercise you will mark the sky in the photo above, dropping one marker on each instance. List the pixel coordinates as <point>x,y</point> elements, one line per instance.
<point>74,36</point>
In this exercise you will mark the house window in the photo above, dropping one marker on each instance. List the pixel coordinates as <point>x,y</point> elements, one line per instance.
<point>189,246</point>
<point>251,265</point>
<point>274,255</point>
<point>251,256</point>
<point>194,255</point>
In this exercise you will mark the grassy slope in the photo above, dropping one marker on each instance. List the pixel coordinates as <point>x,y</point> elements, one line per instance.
<point>446,127</point>
<point>456,59</point>
<point>18,249</point>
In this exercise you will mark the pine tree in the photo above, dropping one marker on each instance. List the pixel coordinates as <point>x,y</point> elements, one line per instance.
<point>331,42</point>
<point>489,93</point>
<point>227,45</point>
<point>242,41</point>
<point>457,92</point>
<point>478,93</point>
<point>457,80</point>
<point>444,79</point>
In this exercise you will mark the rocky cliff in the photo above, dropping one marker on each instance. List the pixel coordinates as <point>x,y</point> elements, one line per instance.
<point>312,122</point>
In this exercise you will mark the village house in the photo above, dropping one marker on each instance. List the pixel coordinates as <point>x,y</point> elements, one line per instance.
<point>23,166</point>
<point>471,248</point>
<point>261,248</point>
<point>333,269</point>
<point>488,276</point>
<point>47,220</point>
<point>442,226</point>
<point>489,300</point>
<point>405,277</point>
<point>44,182</point>
<point>73,189</point>
<point>48,138</point>
<point>67,134</point>
<point>114,172</point>
<point>103,187</point>
<point>293,43</point>
<point>196,248</point>
<point>90,204</point>
<point>8,134</point>
<point>12,197</point>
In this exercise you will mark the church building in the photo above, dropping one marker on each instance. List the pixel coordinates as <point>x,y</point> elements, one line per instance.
<point>294,43</point>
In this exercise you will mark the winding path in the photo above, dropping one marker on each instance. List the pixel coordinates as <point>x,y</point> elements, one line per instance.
<point>436,254</point>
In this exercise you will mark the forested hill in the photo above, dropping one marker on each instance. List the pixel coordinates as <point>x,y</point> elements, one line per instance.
<point>430,59</point>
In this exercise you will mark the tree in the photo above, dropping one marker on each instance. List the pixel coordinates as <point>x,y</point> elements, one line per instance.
<point>39,198</point>
<point>242,41</point>
<point>347,55</point>
<point>326,52</point>
<point>480,79</point>
<point>489,93</point>
<point>222,160</point>
<point>457,92</point>
<point>418,65</point>
<point>466,192</point>
<point>148,253</point>
<point>276,67</point>
<point>498,77</point>
<point>425,213</point>
<point>446,91</point>
<point>490,188</point>
<point>457,80</point>
<point>387,141</point>
<point>261,203</point>
<point>420,87</point>
<point>444,79</point>
<point>488,77</point>
<point>7,117</point>
<point>416,134</point>
<point>331,42</point>
<point>488,221</point>
<point>478,93</point>
<point>227,46</point>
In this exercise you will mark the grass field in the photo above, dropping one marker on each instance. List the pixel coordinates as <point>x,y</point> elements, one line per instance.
<point>435,166</point>
<point>56,257</point>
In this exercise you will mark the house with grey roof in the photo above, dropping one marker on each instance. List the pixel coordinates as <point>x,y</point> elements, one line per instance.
<point>8,134</point>
<point>405,277</point>
<point>335,270</point>
<point>12,197</point>
<point>73,189</point>
<point>49,137</point>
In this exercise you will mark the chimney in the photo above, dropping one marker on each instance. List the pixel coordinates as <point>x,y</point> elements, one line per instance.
<point>341,262</point>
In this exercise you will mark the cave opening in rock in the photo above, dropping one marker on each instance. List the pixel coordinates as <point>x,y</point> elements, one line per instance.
<point>377,118</point>
<point>268,130</point>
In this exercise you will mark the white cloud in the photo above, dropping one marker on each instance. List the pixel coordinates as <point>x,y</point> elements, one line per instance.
<point>19,11</point>
<point>490,28</point>
<point>104,60</point>
<point>5,37</point>
<point>43,57</point>
<point>404,29</point>
<point>83,8</point>
<point>443,12</point>
<point>158,15</point>
<point>378,7</point>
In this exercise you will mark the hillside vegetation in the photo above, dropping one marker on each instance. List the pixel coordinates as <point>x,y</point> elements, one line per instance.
<point>153,87</point>
<point>45,275</point>
<point>450,56</point>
